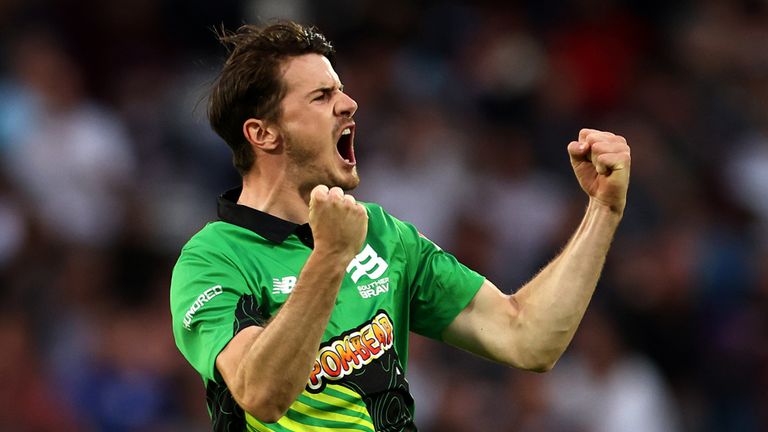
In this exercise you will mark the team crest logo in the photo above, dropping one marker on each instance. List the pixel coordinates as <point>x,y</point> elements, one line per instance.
<point>368,263</point>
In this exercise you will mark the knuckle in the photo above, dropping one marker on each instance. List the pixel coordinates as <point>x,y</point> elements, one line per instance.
<point>608,136</point>
<point>319,193</point>
<point>583,133</point>
<point>594,137</point>
<point>319,197</point>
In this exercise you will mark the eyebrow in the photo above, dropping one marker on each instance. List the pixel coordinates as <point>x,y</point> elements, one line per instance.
<point>326,89</point>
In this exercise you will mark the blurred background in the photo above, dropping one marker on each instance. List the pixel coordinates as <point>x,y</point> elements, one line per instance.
<point>107,166</point>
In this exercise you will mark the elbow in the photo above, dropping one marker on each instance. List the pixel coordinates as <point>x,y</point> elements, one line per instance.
<point>540,366</point>
<point>537,362</point>
<point>266,414</point>
<point>265,407</point>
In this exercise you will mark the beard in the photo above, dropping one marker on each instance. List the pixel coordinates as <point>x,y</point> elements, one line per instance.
<point>309,167</point>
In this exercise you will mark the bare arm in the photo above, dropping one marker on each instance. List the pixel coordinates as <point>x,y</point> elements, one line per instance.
<point>266,368</point>
<point>531,328</point>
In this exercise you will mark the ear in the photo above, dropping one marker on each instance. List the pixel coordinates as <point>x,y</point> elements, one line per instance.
<point>261,134</point>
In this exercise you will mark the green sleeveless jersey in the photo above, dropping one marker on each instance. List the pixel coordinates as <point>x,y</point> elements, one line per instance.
<point>238,271</point>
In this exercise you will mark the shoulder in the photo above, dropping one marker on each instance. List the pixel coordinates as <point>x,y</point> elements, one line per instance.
<point>373,208</point>
<point>210,257</point>
<point>378,214</point>
<point>210,232</point>
<point>215,242</point>
<point>379,219</point>
<point>217,235</point>
<point>383,224</point>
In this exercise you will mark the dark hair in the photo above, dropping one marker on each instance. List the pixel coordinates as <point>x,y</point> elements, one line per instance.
<point>250,83</point>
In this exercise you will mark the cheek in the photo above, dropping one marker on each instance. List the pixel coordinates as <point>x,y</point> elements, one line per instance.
<point>307,130</point>
<point>301,147</point>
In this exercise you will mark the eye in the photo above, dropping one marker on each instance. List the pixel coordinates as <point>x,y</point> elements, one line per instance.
<point>325,94</point>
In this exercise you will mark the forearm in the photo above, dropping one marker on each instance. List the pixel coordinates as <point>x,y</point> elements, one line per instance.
<point>553,303</point>
<point>275,369</point>
<point>266,368</point>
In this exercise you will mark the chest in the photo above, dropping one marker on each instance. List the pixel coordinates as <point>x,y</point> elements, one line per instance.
<point>374,281</point>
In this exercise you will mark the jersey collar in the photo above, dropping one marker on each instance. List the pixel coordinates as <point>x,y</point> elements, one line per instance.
<point>266,225</point>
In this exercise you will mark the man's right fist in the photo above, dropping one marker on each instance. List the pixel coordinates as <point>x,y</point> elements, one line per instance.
<point>339,224</point>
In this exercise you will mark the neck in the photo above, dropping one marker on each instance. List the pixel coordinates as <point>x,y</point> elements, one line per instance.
<point>276,196</point>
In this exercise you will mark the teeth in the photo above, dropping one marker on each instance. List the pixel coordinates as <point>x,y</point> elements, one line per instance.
<point>346,131</point>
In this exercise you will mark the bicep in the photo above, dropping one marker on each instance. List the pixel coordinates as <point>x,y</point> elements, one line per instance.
<point>483,327</point>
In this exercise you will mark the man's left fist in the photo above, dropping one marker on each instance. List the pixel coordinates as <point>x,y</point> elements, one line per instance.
<point>601,162</point>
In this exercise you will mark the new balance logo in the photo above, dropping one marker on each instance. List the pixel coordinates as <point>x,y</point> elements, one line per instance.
<point>283,285</point>
<point>367,263</point>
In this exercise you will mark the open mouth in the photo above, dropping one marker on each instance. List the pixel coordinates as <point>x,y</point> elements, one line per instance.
<point>345,145</point>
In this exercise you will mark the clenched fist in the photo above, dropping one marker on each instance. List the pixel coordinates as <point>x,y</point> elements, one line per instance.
<point>601,162</point>
<point>339,224</point>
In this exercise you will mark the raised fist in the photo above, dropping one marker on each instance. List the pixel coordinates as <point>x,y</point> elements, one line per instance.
<point>601,162</point>
<point>339,224</point>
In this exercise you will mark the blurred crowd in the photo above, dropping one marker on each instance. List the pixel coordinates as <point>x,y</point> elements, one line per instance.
<point>107,166</point>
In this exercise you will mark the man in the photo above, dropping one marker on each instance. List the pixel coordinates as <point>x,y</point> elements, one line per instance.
<point>295,263</point>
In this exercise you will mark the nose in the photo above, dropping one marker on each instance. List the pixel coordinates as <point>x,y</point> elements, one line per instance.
<point>346,106</point>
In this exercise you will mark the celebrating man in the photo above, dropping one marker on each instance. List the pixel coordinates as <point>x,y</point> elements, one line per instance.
<point>295,307</point>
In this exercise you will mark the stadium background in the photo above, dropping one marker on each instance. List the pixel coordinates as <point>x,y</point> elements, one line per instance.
<point>107,166</point>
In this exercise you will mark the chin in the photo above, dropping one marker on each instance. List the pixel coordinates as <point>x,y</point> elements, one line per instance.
<point>348,186</point>
<point>349,182</point>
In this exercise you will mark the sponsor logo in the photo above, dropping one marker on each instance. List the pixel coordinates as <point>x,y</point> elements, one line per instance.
<point>351,351</point>
<point>374,288</point>
<point>367,263</point>
<point>283,285</point>
<point>201,300</point>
